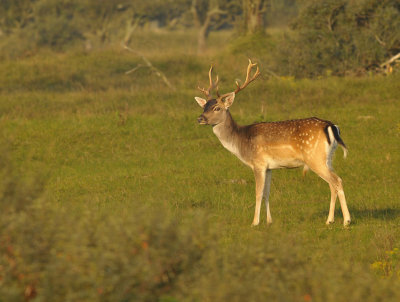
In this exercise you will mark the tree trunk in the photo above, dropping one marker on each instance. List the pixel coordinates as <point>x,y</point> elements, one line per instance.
<point>254,15</point>
<point>131,25</point>
<point>203,26</point>
<point>202,39</point>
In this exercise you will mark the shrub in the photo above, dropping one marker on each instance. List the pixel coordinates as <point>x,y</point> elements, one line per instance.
<point>389,266</point>
<point>340,36</point>
<point>56,253</point>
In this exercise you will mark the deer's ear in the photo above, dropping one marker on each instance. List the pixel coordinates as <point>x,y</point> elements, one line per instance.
<point>228,100</point>
<point>200,101</point>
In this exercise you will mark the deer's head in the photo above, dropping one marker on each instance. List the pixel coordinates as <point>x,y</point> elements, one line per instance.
<point>215,109</point>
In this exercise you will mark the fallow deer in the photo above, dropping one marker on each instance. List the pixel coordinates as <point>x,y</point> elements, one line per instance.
<point>309,142</point>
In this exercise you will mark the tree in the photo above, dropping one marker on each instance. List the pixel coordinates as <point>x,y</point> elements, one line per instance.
<point>254,15</point>
<point>213,15</point>
<point>165,12</point>
<point>204,13</point>
<point>99,17</point>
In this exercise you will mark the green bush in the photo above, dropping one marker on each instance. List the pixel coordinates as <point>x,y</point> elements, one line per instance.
<point>57,32</point>
<point>54,253</point>
<point>340,37</point>
<point>270,270</point>
<point>389,266</point>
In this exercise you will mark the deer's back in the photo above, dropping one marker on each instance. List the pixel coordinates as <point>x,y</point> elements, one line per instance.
<point>286,131</point>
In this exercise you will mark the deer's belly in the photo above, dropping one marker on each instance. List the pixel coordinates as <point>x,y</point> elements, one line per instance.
<point>281,157</point>
<point>278,163</point>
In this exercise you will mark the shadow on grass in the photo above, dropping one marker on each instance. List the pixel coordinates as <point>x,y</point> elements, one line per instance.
<point>382,214</point>
<point>359,215</point>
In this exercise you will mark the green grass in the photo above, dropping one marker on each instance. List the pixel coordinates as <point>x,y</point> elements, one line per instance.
<point>139,202</point>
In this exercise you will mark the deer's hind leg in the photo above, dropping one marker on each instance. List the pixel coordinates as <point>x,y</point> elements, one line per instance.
<point>331,216</point>
<point>267,187</point>
<point>335,184</point>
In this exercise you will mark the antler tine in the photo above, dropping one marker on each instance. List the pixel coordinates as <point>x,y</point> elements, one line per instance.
<point>248,79</point>
<point>212,85</point>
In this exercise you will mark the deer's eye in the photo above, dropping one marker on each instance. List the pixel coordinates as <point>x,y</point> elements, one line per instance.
<point>217,109</point>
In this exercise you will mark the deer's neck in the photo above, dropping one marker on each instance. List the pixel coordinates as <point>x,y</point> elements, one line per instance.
<point>228,134</point>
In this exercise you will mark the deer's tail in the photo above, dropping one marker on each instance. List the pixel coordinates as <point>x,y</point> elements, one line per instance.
<point>332,133</point>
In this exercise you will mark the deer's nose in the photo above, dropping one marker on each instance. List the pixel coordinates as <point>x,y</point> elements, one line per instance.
<point>201,120</point>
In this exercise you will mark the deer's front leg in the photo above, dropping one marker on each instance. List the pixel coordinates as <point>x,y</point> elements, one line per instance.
<point>259,175</point>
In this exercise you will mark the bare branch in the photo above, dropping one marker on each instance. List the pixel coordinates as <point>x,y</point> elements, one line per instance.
<point>216,11</point>
<point>149,65</point>
<point>391,60</point>
<point>130,28</point>
<point>134,69</point>
<point>379,40</point>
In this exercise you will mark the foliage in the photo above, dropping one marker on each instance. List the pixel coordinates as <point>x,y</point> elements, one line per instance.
<point>340,36</point>
<point>53,253</point>
<point>59,24</point>
<point>333,37</point>
<point>279,13</point>
<point>230,12</point>
<point>56,23</point>
<point>390,266</point>
<point>15,14</point>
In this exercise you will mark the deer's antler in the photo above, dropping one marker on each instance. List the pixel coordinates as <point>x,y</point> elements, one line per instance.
<point>248,80</point>
<point>207,92</point>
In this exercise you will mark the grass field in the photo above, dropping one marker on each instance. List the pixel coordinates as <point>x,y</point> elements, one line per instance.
<point>111,191</point>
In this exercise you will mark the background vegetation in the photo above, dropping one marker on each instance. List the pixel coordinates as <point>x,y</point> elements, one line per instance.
<point>331,37</point>
<point>111,191</point>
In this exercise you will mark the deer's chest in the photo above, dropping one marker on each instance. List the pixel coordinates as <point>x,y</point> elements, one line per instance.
<point>231,144</point>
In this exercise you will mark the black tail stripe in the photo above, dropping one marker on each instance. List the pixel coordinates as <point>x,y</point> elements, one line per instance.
<point>336,134</point>
<point>327,134</point>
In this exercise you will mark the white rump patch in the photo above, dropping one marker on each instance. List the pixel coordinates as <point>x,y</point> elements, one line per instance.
<point>331,135</point>
<point>330,150</point>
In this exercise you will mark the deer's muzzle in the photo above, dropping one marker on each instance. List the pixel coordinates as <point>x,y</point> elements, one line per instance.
<point>202,120</point>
